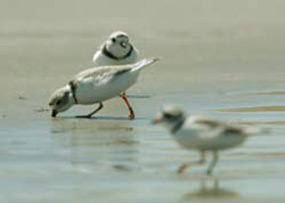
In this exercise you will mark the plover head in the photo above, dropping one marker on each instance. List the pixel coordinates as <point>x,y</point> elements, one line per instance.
<point>118,46</point>
<point>171,117</point>
<point>61,100</point>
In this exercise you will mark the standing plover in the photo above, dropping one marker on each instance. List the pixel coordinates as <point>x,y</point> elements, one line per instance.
<point>201,133</point>
<point>116,50</point>
<point>96,85</point>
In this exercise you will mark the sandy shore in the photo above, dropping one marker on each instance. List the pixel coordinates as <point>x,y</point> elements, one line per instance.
<point>223,55</point>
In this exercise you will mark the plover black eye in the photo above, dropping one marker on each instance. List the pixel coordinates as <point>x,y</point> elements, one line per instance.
<point>113,40</point>
<point>123,44</point>
<point>58,102</point>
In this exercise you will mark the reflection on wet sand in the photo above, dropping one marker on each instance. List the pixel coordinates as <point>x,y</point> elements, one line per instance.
<point>69,124</point>
<point>254,109</point>
<point>212,192</point>
<point>263,123</point>
<point>98,146</point>
<point>264,93</point>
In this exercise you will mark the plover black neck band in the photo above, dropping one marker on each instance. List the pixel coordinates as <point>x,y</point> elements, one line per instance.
<point>177,126</point>
<point>73,88</point>
<point>109,54</point>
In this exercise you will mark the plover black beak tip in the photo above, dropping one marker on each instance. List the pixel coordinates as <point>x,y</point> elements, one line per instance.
<point>53,113</point>
<point>156,58</point>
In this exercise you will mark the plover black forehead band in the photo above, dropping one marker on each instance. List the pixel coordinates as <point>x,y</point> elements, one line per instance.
<point>121,36</point>
<point>73,89</point>
<point>110,55</point>
<point>169,115</point>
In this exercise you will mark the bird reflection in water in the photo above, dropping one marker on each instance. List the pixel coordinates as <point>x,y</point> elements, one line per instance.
<point>211,192</point>
<point>97,146</point>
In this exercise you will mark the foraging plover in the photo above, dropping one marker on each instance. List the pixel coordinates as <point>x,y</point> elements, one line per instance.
<point>96,85</point>
<point>201,133</point>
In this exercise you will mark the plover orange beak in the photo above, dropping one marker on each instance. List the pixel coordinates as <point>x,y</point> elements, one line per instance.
<point>156,120</point>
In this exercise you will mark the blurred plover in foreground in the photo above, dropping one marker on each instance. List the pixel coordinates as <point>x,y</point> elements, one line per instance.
<point>116,50</point>
<point>96,85</point>
<point>201,133</point>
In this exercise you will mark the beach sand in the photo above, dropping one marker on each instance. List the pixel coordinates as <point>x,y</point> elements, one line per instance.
<point>220,58</point>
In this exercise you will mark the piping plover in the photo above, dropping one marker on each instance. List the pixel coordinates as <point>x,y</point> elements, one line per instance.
<point>201,133</point>
<point>116,50</point>
<point>96,85</point>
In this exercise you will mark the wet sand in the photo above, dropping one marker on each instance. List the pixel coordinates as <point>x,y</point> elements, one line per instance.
<point>255,109</point>
<point>214,55</point>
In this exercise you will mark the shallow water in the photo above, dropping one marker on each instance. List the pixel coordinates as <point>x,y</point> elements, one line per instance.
<point>222,58</point>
